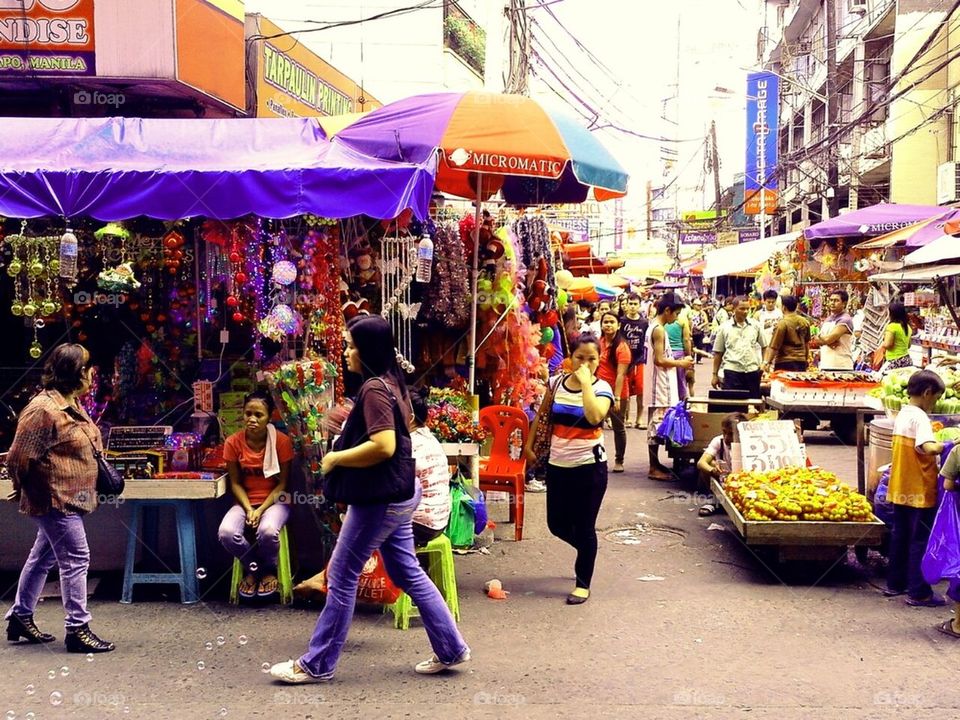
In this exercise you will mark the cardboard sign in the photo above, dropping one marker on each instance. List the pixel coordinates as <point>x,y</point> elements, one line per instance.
<point>770,445</point>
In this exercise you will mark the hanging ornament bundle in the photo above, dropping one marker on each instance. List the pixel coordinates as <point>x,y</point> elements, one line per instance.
<point>444,300</point>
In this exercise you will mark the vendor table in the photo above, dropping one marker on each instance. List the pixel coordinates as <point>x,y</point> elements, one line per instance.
<point>789,536</point>
<point>146,496</point>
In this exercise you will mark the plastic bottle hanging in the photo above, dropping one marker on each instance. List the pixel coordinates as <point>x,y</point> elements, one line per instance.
<point>68,256</point>
<point>425,260</point>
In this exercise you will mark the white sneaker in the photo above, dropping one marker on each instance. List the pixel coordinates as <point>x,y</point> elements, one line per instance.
<point>434,666</point>
<point>290,673</point>
<point>534,486</point>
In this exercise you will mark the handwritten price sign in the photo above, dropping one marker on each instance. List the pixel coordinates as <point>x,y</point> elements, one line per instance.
<point>770,445</point>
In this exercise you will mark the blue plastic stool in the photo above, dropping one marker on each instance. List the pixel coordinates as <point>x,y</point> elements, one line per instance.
<point>284,574</point>
<point>186,539</point>
<point>443,574</point>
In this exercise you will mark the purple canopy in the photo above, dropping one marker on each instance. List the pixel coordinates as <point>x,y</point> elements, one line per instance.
<point>872,221</point>
<point>116,168</point>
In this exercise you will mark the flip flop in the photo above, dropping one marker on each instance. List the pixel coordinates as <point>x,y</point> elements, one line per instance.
<point>270,579</point>
<point>946,627</point>
<point>248,589</point>
<point>708,509</point>
<point>893,593</point>
<point>932,601</point>
<point>660,477</point>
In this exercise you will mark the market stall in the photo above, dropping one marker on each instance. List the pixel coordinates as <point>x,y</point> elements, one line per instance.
<point>197,292</point>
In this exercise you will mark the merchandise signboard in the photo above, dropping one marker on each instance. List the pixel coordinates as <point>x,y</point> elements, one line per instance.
<point>762,118</point>
<point>292,81</point>
<point>50,38</point>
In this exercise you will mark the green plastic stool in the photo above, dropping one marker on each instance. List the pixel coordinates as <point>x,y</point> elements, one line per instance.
<point>284,575</point>
<point>444,576</point>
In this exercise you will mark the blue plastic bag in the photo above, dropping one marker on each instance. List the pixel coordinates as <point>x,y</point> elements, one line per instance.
<point>676,426</point>
<point>881,508</point>
<point>942,558</point>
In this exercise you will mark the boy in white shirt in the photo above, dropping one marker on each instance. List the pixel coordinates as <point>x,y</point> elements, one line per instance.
<point>769,316</point>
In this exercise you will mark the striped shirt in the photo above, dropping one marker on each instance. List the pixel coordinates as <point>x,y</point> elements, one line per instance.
<point>576,441</point>
<point>51,458</point>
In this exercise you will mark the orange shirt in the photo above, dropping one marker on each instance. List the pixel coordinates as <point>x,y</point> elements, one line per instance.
<point>606,370</point>
<point>252,479</point>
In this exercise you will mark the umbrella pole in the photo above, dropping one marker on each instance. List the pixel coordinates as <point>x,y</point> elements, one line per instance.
<point>474,276</point>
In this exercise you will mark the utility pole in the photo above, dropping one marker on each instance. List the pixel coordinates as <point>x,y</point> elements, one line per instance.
<point>518,80</point>
<point>649,210</point>
<point>715,157</point>
<point>833,109</point>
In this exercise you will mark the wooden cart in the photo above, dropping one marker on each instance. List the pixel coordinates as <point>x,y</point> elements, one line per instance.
<point>801,539</point>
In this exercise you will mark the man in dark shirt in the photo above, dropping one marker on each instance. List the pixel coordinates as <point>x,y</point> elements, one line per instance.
<point>634,325</point>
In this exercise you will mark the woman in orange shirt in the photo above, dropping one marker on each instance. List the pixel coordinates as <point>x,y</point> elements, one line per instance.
<point>258,464</point>
<point>615,358</point>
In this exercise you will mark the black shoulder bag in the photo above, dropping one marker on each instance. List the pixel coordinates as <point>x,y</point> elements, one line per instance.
<point>110,482</point>
<point>390,481</point>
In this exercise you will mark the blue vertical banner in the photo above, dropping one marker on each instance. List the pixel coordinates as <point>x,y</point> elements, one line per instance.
<point>763,103</point>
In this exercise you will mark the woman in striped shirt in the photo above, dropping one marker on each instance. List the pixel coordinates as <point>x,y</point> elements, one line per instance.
<point>577,466</point>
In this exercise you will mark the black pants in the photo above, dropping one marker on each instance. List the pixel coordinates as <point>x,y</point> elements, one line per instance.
<point>749,381</point>
<point>574,496</point>
<point>908,543</point>
<point>422,534</point>
<point>791,366</point>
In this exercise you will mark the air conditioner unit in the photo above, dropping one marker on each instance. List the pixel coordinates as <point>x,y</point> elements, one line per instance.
<point>802,47</point>
<point>948,183</point>
<point>858,6</point>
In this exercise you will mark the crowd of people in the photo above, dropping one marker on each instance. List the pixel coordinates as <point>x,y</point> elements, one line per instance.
<point>639,352</point>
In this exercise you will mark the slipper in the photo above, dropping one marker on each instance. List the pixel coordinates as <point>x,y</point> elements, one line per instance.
<point>946,627</point>
<point>932,601</point>
<point>264,587</point>
<point>889,592</point>
<point>617,468</point>
<point>248,587</point>
<point>708,509</point>
<point>660,477</point>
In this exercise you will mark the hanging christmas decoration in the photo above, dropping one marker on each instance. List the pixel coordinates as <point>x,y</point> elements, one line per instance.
<point>284,273</point>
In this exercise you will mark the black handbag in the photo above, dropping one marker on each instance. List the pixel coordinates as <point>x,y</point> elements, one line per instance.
<point>110,482</point>
<point>390,481</point>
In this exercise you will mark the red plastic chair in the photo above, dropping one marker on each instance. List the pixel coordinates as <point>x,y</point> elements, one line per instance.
<point>500,472</point>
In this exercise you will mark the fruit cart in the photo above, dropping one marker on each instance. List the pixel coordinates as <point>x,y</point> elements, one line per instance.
<point>835,396</point>
<point>802,538</point>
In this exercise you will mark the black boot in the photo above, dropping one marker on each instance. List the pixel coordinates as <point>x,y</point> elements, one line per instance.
<point>83,640</point>
<point>23,626</point>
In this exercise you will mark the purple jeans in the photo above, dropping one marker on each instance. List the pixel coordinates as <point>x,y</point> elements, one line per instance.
<point>234,523</point>
<point>366,528</point>
<point>62,541</point>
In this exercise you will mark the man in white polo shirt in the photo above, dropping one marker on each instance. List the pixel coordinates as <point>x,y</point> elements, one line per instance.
<point>737,350</point>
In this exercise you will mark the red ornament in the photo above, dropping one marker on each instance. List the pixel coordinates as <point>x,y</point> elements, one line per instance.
<point>240,278</point>
<point>238,317</point>
<point>234,257</point>
<point>232,301</point>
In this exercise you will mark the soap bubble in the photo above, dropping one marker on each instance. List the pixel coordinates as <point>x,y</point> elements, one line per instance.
<point>221,640</point>
<point>126,709</point>
<point>265,668</point>
<point>64,671</point>
<point>30,715</point>
<point>208,645</point>
<point>52,674</point>
<point>56,698</point>
<point>223,712</point>
<point>201,665</point>
<point>254,567</point>
<point>30,689</point>
<point>242,639</point>
<point>201,573</point>
<point>89,657</point>
<point>11,714</point>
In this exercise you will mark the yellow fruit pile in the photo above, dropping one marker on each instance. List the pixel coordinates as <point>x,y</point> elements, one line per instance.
<point>796,494</point>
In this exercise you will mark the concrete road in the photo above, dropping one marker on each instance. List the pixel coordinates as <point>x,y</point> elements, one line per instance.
<point>683,622</point>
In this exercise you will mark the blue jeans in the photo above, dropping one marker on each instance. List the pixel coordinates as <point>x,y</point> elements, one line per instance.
<point>365,529</point>
<point>62,541</point>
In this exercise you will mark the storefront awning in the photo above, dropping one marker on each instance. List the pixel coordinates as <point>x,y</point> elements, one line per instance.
<point>872,221</point>
<point>946,247</point>
<point>745,256</point>
<point>897,237</point>
<point>117,168</point>
<point>917,274</point>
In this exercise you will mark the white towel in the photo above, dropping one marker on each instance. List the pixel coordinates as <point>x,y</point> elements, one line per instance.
<point>271,465</point>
